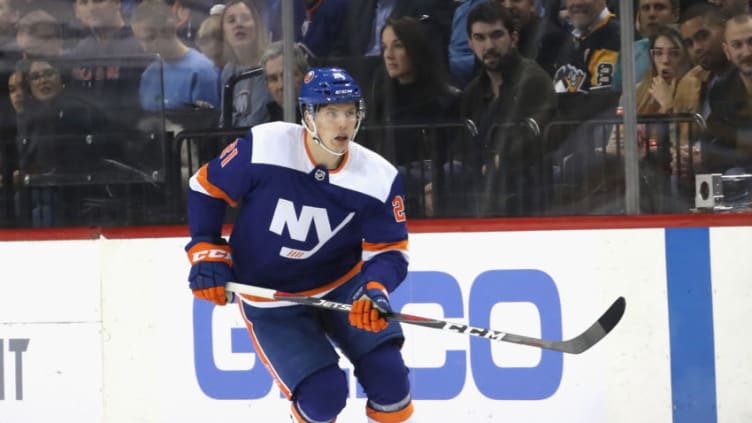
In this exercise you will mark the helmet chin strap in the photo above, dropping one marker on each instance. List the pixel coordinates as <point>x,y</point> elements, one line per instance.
<point>315,135</point>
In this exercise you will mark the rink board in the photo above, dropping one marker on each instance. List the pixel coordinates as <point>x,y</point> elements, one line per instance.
<point>110,332</point>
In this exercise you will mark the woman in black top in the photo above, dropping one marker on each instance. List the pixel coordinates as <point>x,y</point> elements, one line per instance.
<point>409,98</point>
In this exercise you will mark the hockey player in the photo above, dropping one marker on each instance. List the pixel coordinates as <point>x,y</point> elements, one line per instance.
<point>288,179</point>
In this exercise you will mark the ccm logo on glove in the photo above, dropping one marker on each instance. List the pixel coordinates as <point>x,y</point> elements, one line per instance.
<point>211,269</point>
<point>204,251</point>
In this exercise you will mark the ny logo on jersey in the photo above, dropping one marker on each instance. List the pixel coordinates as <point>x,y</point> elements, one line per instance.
<point>300,226</point>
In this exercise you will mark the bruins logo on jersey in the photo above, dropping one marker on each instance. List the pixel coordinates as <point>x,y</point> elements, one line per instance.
<point>569,79</point>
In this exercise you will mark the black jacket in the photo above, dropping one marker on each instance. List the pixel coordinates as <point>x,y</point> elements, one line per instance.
<point>526,92</point>
<point>53,137</point>
<point>729,125</point>
<point>421,104</point>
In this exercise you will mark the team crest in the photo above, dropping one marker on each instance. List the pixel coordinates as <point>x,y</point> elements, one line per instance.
<point>308,77</point>
<point>569,79</point>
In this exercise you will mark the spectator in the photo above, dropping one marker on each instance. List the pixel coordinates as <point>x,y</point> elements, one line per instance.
<point>509,89</point>
<point>410,87</point>
<point>365,19</point>
<point>273,63</point>
<point>317,23</point>
<point>182,77</point>
<point>39,35</point>
<point>189,14</point>
<point>655,96</point>
<point>702,27</point>
<point>209,39</point>
<point>669,63</point>
<point>17,92</point>
<point>54,138</point>
<point>323,24</point>
<point>104,67</point>
<point>529,26</point>
<point>556,32</point>
<point>108,35</point>
<point>246,39</point>
<point>651,16</point>
<point>583,73</point>
<point>587,59</point>
<point>70,29</point>
<point>54,114</point>
<point>730,8</point>
<point>730,120</point>
<point>9,15</point>
<point>10,54</point>
<point>462,61</point>
<point>11,118</point>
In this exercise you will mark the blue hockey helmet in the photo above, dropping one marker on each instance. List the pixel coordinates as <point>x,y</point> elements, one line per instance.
<point>328,86</point>
<point>322,86</point>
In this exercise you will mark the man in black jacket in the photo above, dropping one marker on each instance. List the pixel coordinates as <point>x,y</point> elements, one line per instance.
<point>730,119</point>
<point>509,101</point>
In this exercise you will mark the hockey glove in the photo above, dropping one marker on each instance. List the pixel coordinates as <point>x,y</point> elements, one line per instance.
<point>211,269</point>
<point>370,304</point>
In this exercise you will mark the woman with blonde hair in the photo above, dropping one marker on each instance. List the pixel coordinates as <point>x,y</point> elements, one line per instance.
<point>245,40</point>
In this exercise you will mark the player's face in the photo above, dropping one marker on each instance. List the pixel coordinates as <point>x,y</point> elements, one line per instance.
<point>652,14</point>
<point>97,13</point>
<point>16,92</point>
<point>239,26</point>
<point>522,11</point>
<point>584,13</point>
<point>738,46</point>
<point>704,42</point>
<point>669,59</point>
<point>335,124</point>
<point>396,59</point>
<point>491,43</point>
<point>45,81</point>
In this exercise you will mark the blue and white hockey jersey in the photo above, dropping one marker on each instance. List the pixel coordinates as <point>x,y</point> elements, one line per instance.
<point>302,228</point>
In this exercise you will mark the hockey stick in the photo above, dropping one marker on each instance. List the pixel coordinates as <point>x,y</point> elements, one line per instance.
<point>576,345</point>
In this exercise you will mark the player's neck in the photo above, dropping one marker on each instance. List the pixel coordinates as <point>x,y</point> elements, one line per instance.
<point>320,156</point>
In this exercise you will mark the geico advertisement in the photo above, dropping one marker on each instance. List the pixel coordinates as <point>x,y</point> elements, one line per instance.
<point>158,355</point>
<point>532,283</point>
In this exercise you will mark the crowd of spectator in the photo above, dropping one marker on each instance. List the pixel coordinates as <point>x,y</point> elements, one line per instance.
<point>491,77</point>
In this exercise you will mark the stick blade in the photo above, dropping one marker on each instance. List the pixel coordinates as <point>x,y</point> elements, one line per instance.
<point>605,324</point>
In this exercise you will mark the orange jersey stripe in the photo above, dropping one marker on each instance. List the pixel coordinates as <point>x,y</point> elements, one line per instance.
<point>312,292</point>
<point>385,246</point>
<point>398,416</point>
<point>202,176</point>
<point>262,356</point>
